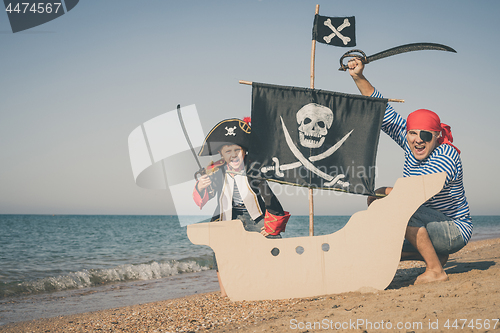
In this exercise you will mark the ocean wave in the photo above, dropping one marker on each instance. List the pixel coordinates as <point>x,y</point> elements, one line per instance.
<point>96,277</point>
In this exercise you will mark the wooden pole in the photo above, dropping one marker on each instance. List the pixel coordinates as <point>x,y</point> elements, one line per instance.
<point>313,53</point>
<point>311,200</point>
<point>389,99</point>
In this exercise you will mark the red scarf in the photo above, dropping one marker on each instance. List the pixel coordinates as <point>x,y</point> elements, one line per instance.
<point>429,121</point>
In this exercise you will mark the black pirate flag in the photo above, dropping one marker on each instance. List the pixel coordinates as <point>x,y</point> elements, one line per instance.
<point>314,138</point>
<point>336,31</point>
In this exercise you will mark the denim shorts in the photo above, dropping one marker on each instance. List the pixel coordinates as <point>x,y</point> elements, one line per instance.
<point>444,234</point>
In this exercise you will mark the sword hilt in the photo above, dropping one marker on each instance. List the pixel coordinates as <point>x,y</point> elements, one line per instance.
<point>203,172</point>
<point>352,54</point>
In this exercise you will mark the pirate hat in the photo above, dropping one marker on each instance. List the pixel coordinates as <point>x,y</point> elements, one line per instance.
<point>227,132</point>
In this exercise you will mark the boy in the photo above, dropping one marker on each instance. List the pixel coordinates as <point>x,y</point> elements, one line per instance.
<point>239,197</point>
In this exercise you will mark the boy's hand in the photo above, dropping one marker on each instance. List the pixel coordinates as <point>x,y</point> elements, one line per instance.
<point>203,182</point>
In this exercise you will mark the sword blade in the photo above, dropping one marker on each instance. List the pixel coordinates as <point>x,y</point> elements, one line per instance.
<point>393,51</point>
<point>187,136</point>
<point>408,48</point>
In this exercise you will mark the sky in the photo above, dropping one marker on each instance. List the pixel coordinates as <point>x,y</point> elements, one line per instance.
<point>73,89</point>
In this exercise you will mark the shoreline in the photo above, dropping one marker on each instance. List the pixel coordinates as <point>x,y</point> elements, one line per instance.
<point>472,292</point>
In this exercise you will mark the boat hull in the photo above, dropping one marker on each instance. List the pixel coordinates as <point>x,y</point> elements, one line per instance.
<point>362,256</point>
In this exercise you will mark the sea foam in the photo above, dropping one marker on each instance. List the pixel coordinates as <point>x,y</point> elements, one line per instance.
<point>96,277</point>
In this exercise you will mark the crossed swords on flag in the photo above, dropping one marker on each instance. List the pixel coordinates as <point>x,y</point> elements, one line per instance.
<point>307,163</point>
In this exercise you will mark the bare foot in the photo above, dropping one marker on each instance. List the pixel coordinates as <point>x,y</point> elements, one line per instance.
<point>431,276</point>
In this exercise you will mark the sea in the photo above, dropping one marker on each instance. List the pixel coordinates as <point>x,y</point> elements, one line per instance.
<point>54,265</point>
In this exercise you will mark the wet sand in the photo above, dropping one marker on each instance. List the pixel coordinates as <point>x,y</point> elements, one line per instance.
<point>468,302</point>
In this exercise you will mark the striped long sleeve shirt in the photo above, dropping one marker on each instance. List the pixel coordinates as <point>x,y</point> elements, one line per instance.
<point>451,200</point>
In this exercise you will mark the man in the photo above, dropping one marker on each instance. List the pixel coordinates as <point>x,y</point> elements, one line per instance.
<point>442,225</point>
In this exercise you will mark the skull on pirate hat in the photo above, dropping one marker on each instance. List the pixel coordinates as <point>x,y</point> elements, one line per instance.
<point>227,132</point>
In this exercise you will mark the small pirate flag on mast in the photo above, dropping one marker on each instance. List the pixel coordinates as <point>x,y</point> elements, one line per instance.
<point>336,31</point>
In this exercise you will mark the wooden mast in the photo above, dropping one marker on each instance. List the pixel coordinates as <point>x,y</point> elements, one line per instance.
<point>311,201</point>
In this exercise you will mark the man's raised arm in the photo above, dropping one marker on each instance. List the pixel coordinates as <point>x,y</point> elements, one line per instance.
<point>356,67</point>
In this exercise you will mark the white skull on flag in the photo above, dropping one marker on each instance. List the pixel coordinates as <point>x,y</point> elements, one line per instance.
<point>314,121</point>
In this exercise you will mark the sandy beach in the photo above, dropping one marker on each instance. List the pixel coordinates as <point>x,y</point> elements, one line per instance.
<point>468,302</point>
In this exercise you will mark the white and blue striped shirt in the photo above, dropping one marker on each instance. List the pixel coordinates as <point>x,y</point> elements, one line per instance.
<point>451,201</point>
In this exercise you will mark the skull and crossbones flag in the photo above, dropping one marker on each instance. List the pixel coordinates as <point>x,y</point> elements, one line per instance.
<point>314,138</point>
<point>336,31</point>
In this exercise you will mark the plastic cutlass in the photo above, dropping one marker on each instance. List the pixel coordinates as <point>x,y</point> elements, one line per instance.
<point>202,171</point>
<point>393,51</point>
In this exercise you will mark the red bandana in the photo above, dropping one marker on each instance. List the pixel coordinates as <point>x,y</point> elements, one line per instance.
<point>429,121</point>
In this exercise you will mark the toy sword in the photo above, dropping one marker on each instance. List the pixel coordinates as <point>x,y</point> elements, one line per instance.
<point>390,52</point>
<point>202,171</point>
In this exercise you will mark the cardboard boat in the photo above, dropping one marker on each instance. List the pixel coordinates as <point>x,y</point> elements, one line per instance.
<point>362,256</point>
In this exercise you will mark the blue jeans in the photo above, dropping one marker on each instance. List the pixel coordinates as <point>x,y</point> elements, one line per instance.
<point>444,234</point>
